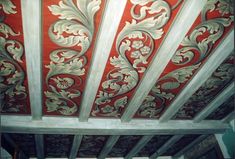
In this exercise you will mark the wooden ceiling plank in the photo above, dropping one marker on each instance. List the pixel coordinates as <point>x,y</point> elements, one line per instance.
<point>166,146</point>
<point>107,32</point>
<point>229,117</point>
<point>108,146</point>
<point>218,101</point>
<point>70,125</point>
<point>179,29</point>
<point>189,146</point>
<point>39,141</point>
<point>220,54</point>
<point>141,143</point>
<point>75,147</point>
<point>31,14</point>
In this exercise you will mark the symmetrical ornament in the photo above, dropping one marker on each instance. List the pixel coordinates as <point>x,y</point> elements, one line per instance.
<point>194,50</point>
<point>223,75</point>
<point>134,45</point>
<point>75,28</point>
<point>12,76</point>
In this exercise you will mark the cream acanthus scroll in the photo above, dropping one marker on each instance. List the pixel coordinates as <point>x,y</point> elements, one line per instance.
<point>190,56</point>
<point>12,76</point>
<point>74,29</point>
<point>134,45</point>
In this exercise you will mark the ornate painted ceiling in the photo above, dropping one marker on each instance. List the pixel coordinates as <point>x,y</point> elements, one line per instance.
<point>71,48</point>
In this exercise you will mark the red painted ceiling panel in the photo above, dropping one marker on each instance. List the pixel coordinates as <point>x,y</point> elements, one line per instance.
<point>14,97</point>
<point>207,32</point>
<point>69,32</point>
<point>140,33</point>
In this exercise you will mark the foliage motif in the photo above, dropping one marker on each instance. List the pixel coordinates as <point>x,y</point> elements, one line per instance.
<point>187,57</point>
<point>219,79</point>
<point>134,45</point>
<point>75,27</point>
<point>11,73</point>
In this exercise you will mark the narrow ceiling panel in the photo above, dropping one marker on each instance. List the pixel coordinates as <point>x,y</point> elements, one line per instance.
<point>222,111</point>
<point>123,146</point>
<point>57,145</point>
<point>209,90</point>
<point>153,145</point>
<point>211,26</point>
<point>14,97</point>
<point>91,146</point>
<point>25,142</point>
<point>69,31</point>
<point>140,33</point>
<point>184,141</point>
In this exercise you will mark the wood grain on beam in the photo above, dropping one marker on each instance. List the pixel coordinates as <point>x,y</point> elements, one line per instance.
<point>183,22</point>
<point>39,142</point>
<point>75,147</point>
<point>70,125</point>
<point>106,35</point>
<point>31,14</point>
<point>141,143</point>
<point>166,146</point>
<point>108,146</point>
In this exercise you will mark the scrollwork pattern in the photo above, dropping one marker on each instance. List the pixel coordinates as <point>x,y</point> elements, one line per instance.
<point>189,57</point>
<point>134,45</point>
<point>75,28</point>
<point>219,79</point>
<point>12,75</point>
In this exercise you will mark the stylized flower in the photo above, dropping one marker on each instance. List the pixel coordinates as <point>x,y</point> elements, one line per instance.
<point>137,44</point>
<point>64,83</point>
<point>145,50</point>
<point>225,7</point>
<point>135,54</point>
<point>107,109</point>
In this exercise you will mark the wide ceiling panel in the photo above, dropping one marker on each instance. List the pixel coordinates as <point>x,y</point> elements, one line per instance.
<point>91,146</point>
<point>57,145</point>
<point>211,26</point>
<point>153,145</point>
<point>123,146</point>
<point>140,33</point>
<point>221,78</point>
<point>223,110</point>
<point>184,141</point>
<point>69,31</point>
<point>14,97</point>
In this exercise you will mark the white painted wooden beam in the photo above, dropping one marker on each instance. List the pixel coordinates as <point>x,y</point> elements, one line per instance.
<point>75,147</point>
<point>141,143</point>
<point>70,125</point>
<point>220,99</point>
<point>179,29</point>
<point>108,146</point>
<point>166,146</point>
<point>107,32</point>
<point>189,146</point>
<point>218,56</point>
<point>229,117</point>
<point>39,141</point>
<point>31,14</point>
